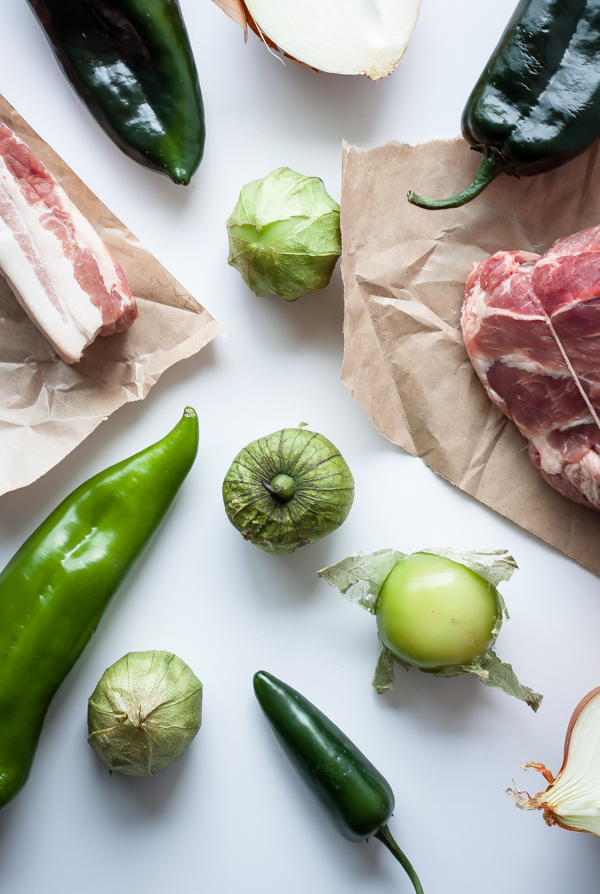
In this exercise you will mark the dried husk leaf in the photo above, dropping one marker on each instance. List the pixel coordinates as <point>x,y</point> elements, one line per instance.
<point>360,578</point>
<point>385,676</point>
<point>493,565</point>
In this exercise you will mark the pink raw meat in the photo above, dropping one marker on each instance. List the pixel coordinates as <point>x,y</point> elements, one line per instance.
<point>53,259</point>
<point>531,326</point>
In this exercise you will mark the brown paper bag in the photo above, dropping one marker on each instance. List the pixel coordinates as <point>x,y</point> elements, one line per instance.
<point>404,272</point>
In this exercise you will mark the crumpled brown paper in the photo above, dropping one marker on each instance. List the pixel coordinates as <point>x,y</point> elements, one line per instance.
<point>404,272</point>
<point>48,407</point>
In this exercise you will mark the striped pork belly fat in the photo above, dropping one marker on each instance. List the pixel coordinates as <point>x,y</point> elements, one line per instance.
<point>531,326</point>
<point>56,264</point>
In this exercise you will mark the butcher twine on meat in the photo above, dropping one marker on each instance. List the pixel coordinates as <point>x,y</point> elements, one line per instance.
<point>531,326</point>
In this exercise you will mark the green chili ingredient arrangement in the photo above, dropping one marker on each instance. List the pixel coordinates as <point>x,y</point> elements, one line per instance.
<point>55,589</point>
<point>535,107</point>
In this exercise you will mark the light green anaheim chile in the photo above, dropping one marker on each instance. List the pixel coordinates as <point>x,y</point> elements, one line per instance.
<point>288,489</point>
<point>284,235</point>
<point>144,712</point>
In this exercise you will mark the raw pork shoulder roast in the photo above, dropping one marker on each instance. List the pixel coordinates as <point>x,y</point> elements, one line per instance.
<point>531,326</point>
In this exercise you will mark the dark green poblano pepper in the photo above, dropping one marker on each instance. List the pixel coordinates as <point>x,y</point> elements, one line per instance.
<point>537,102</point>
<point>356,796</point>
<point>288,489</point>
<point>131,63</point>
<point>55,589</point>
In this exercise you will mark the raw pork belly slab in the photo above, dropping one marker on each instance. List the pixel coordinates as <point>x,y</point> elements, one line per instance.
<point>531,326</point>
<point>53,259</point>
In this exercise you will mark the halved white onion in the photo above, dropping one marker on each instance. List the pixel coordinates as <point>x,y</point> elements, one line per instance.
<point>350,37</point>
<point>572,799</point>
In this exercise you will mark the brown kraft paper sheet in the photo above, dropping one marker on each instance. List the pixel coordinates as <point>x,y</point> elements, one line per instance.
<point>47,407</point>
<point>404,273</point>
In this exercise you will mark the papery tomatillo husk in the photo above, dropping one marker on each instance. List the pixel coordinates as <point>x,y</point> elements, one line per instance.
<point>572,799</point>
<point>288,489</point>
<point>144,712</point>
<point>284,235</point>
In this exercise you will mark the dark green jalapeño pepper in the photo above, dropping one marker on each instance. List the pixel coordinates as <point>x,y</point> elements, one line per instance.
<point>537,102</point>
<point>56,587</point>
<point>356,796</point>
<point>131,63</point>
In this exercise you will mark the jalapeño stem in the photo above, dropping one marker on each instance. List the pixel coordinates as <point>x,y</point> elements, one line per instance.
<point>385,836</point>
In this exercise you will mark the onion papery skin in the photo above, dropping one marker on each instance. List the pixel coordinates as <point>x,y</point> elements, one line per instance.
<point>267,40</point>
<point>314,43</point>
<point>322,495</point>
<point>572,799</point>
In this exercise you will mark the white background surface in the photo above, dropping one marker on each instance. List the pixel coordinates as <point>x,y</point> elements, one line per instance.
<point>231,816</point>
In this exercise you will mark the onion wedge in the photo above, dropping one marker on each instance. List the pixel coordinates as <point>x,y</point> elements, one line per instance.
<point>572,799</point>
<point>348,37</point>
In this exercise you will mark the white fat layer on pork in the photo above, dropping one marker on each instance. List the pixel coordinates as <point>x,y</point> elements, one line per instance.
<point>586,476</point>
<point>551,460</point>
<point>47,288</point>
<point>476,309</point>
<point>583,475</point>
<point>576,421</point>
<point>519,361</point>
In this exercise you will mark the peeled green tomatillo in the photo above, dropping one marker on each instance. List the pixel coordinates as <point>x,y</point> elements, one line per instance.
<point>288,489</point>
<point>284,235</point>
<point>437,610</point>
<point>433,612</point>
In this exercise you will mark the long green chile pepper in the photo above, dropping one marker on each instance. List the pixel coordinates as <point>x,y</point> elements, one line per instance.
<point>356,796</point>
<point>131,63</point>
<point>55,589</point>
<point>537,102</point>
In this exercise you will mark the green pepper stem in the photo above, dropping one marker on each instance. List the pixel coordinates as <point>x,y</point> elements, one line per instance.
<point>385,836</point>
<point>488,170</point>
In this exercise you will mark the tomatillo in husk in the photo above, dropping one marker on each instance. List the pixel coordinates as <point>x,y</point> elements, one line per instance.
<point>284,235</point>
<point>288,489</point>
<point>144,712</point>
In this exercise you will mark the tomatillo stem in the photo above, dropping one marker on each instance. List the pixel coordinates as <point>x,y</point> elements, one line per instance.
<point>488,170</point>
<point>282,487</point>
<point>385,836</point>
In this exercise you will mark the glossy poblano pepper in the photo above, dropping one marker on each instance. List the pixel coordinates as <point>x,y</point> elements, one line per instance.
<point>356,796</point>
<point>131,63</point>
<point>537,102</point>
<point>55,589</point>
